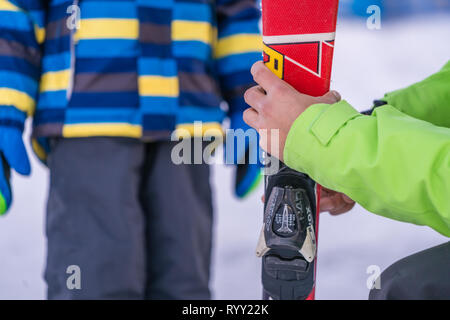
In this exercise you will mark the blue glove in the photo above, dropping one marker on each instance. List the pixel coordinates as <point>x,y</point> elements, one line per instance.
<point>13,155</point>
<point>248,173</point>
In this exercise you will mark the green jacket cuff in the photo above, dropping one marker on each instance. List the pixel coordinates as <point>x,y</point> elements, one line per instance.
<point>313,129</point>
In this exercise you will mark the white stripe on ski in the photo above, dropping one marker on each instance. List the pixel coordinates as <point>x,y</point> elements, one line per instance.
<point>302,66</point>
<point>298,38</point>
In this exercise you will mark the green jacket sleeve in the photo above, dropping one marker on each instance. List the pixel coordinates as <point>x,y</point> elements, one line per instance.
<point>428,100</point>
<point>392,164</point>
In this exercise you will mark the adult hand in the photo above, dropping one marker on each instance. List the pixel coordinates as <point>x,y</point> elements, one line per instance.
<point>275,105</point>
<point>334,202</point>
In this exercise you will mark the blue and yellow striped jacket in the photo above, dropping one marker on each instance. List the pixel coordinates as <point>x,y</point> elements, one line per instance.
<point>134,68</point>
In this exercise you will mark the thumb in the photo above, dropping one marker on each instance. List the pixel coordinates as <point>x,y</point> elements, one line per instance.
<point>331,97</point>
<point>347,199</point>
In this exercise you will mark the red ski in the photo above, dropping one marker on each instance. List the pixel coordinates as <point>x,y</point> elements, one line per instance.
<point>298,38</point>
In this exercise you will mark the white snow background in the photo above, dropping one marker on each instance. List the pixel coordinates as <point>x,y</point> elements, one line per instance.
<point>367,64</point>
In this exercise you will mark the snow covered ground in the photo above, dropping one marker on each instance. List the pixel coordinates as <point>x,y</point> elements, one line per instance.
<point>367,64</point>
